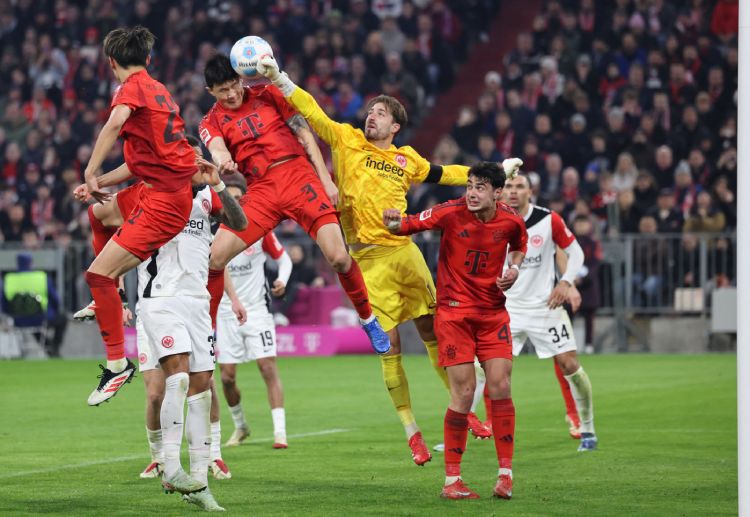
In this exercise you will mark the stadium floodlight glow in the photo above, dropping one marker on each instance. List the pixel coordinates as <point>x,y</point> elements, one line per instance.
<point>743,274</point>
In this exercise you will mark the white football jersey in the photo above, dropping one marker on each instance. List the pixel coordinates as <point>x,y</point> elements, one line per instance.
<point>180,267</point>
<point>249,277</point>
<point>536,278</point>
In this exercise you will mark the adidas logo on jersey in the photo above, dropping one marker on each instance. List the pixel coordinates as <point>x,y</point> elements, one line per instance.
<point>464,233</point>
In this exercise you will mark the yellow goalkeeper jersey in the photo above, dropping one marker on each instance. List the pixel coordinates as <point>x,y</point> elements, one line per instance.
<point>371,179</point>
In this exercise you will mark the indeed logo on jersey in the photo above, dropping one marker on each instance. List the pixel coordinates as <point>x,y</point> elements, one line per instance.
<point>532,262</point>
<point>239,270</point>
<point>384,166</point>
<point>194,226</point>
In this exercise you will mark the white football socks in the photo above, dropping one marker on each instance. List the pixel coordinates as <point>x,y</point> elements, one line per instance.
<point>155,445</point>
<point>215,441</point>
<point>117,365</point>
<point>580,387</point>
<point>172,420</point>
<point>238,416</point>
<point>279,422</point>
<point>198,432</point>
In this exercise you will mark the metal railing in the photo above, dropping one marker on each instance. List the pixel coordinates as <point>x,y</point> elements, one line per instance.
<point>664,274</point>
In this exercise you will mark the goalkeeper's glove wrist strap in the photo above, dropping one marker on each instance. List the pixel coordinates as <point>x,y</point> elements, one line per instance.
<point>283,83</point>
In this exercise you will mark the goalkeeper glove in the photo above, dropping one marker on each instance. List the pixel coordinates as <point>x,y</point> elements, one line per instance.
<point>511,166</point>
<point>269,68</point>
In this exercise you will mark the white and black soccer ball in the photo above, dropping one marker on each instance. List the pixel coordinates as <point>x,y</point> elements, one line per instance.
<point>245,54</point>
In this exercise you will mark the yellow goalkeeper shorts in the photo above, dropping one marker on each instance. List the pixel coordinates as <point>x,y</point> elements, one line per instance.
<point>399,283</point>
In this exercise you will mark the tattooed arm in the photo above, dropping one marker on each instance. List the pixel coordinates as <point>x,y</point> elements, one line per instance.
<point>231,213</point>
<point>307,139</point>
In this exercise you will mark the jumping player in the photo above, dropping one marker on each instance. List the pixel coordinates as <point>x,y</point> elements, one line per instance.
<point>535,304</point>
<point>156,151</point>
<point>372,174</point>
<point>477,233</point>
<point>253,130</point>
<point>248,293</point>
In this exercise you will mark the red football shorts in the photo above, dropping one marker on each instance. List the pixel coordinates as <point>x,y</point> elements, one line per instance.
<point>154,220</point>
<point>461,336</point>
<point>291,190</point>
<point>127,198</point>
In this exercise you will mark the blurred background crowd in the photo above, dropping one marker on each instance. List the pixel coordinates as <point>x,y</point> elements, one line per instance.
<point>623,111</point>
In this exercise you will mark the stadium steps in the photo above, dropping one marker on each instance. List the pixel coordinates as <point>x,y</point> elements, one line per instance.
<point>512,17</point>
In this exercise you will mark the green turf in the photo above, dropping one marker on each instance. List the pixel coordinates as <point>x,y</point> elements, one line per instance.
<point>666,426</point>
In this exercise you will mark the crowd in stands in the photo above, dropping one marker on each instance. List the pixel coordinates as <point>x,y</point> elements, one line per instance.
<point>624,111</point>
<point>57,87</point>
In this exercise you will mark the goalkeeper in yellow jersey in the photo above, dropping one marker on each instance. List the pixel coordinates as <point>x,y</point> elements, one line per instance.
<point>373,174</point>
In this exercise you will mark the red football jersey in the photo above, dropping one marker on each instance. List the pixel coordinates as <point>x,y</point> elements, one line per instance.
<point>472,252</point>
<point>155,147</point>
<point>256,133</point>
<point>272,246</point>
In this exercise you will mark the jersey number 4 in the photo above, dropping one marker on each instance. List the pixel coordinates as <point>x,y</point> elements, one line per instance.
<point>563,333</point>
<point>170,135</point>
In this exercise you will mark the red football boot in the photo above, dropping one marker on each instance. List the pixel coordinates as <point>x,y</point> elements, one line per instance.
<point>419,451</point>
<point>457,490</point>
<point>477,428</point>
<point>504,487</point>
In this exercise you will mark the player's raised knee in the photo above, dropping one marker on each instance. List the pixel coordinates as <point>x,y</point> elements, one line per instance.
<point>339,260</point>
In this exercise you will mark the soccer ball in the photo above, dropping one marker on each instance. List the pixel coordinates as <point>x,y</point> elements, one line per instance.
<point>245,54</point>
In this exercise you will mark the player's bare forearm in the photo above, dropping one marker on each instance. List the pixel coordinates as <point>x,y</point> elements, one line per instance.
<point>221,155</point>
<point>232,214</point>
<point>515,258</point>
<point>229,286</point>
<point>114,177</point>
<point>106,139</point>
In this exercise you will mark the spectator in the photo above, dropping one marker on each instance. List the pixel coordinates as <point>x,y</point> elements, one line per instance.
<point>625,173</point>
<point>486,150</point>
<point>725,20</point>
<point>685,189</point>
<point>587,281</point>
<point>664,167</point>
<point>645,192</point>
<point>649,265</point>
<point>704,216</point>
<point>668,218</point>
<point>629,216</point>
<point>726,201</point>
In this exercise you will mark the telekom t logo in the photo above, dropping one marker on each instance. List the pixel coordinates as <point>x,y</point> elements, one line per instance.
<point>476,261</point>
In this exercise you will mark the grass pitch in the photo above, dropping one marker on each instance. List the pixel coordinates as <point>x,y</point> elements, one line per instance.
<point>666,424</point>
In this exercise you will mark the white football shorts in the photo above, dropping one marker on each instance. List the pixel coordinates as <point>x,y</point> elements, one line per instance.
<point>236,343</point>
<point>549,331</point>
<point>175,325</point>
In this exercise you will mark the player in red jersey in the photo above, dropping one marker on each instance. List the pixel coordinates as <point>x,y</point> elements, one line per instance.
<point>478,233</point>
<point>252,129</point>
<point>156,151</point>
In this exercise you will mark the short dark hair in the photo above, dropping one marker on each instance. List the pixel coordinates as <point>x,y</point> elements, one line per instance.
<point>129,47</point>
<point>193,141</point>
<point>218,70</point>
<point>489,171</point>
<point>394,107</point>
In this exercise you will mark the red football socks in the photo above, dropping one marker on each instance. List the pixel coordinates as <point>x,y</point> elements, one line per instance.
<point>455,432</point>
<point>570,403</point>
<point>354,285</point>
<point>216,290</point>
<point>487,403</point>
<point>100,234</point>
<point>108,313</point>
<point>503,429</point>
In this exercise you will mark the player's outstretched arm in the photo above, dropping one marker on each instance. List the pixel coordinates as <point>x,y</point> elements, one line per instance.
<point>301,100</point>
<point>104,142</point>
<point>231,213</point>
<point>221,155</point>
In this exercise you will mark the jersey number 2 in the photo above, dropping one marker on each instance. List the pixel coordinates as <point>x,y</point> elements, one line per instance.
<point>170,135</point>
